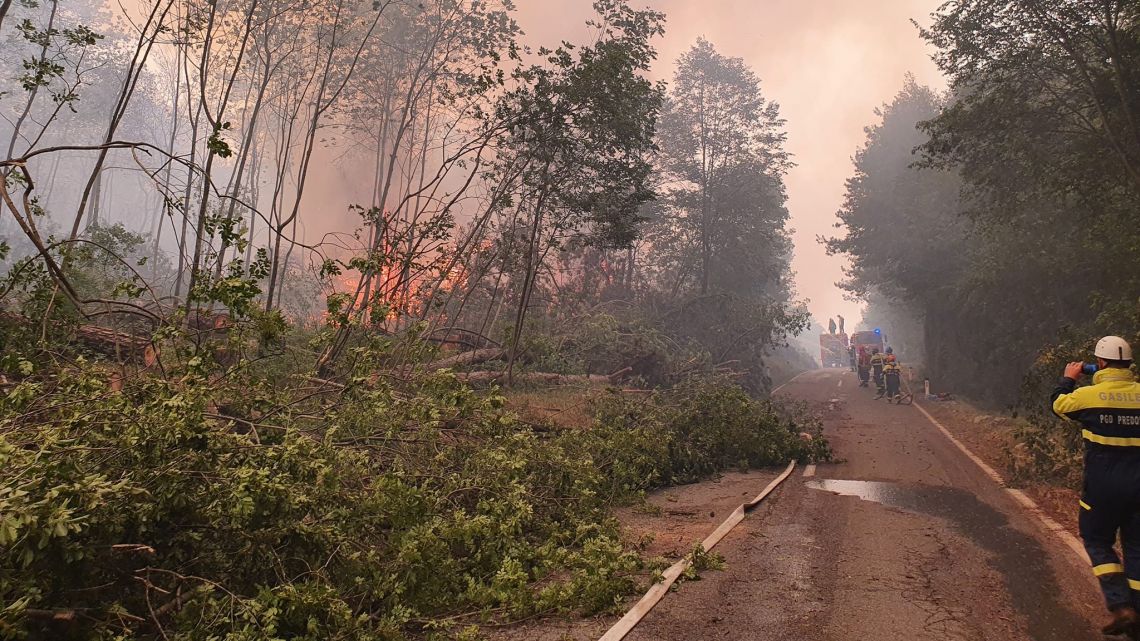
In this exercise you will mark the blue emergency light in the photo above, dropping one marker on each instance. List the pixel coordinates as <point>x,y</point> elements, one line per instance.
<point>878,331</point>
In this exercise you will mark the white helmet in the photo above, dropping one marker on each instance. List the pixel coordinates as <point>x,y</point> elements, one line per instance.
<point>1113,348</point>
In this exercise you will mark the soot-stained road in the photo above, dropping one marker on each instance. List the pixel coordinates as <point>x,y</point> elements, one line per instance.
<point>904,538</point>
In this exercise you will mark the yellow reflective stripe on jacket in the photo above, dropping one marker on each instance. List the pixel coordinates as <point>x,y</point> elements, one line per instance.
<point>1111,389</point>
<point>1108,410</point>
<point>1118,441</point>
<point>1086,506</point>
<point>1108,568</point>
<point>1134,584</point>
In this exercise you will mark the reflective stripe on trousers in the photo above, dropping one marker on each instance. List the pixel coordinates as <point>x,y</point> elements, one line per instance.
<point>1099,524</point>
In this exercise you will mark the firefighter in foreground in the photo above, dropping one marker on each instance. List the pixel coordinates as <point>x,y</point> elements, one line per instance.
<point>1109,412</point>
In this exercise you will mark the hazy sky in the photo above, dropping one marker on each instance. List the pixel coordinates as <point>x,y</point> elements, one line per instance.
<point>828,63</point>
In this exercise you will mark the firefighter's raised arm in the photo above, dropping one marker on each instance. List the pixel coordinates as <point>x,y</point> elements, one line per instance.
<point>1065,401</point>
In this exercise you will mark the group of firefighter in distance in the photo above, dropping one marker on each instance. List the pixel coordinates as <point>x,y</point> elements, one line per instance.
<point>867,353</point>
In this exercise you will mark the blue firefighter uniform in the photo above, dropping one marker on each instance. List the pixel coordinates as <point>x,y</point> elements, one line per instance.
<point>1109,411</point>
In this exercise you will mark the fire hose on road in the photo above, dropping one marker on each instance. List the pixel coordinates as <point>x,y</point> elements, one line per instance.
<point>658,590</point>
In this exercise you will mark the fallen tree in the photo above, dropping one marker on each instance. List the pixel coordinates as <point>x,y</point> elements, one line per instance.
<point>466,359</point>
<point>461,336</point>
<point>104,340</point>
<point>543,378</point>
<point>119,345</point>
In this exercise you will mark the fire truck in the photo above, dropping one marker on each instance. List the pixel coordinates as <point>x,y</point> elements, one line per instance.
<point>833,350</point>
<point>868,340</point>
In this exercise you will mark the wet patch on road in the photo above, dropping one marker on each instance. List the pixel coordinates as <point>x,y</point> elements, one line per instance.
<point>1019,557</point>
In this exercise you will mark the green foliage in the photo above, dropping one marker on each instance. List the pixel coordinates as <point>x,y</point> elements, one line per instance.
<point>702,560</point>
<point>721,333</point>
<point>242,507</point>
<point>218,496</point>
<point>1041,131</point>
<point>719,264</point>
<point>58,51</point>
<point>900,223</point>
<point>102,264</point>
<point>978,284</point>
<point>1047,450</point>
<point>238,288</point>
<point>700,428</point>
<point>217,145</point>
<point>100,267</point>
<point>603,343</point>
<point>581,125</point>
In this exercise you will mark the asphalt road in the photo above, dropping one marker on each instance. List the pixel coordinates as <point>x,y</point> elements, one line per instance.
<point>904,538</point>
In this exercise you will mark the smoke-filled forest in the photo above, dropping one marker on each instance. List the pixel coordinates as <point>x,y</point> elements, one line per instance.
<point>357,320</point>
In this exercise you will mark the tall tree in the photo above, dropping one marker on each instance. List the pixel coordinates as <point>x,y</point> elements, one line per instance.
<point>900,223</point>
<point>723,162</point>
<point>582,127</point>
<point>717,255</point>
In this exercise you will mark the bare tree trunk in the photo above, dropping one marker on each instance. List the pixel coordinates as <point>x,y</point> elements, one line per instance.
<point>321,104</point>
<point>255,201</point>
<point>529,277</point>
<point>706,213</point>
<point>215,122</point>
<point>165,210</point>
<point>35,89</point>
<point>288,256</point>
<point>244,155</point>
<point>309,142</point>
<point>96,200</point>
<point>379,184</point>
<point>282,155</point>
<point>195,121</point>
<point>148,34</point>
<point>199,232</point>
<point>427,67</point>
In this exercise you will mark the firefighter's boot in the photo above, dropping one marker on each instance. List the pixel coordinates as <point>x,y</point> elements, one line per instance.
<point>1124,622</point>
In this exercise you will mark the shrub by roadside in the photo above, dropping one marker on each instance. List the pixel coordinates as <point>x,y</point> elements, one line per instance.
<point>1047,450</point>
<point>698,429</point>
